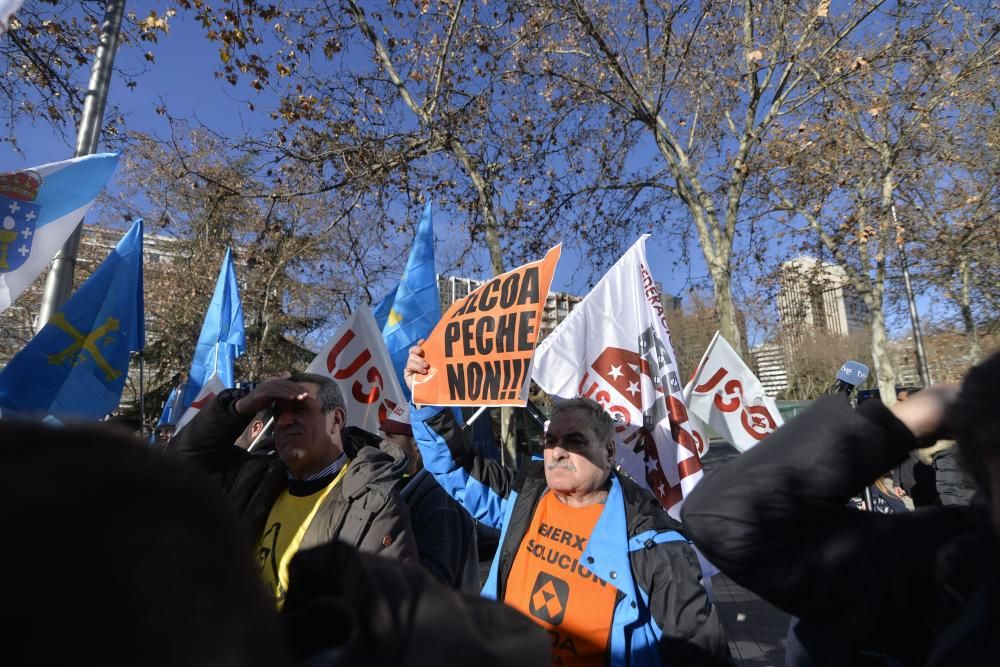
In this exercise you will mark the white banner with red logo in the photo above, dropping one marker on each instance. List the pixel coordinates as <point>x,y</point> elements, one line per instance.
<point>726,395</point>
<point>614,347</point>
<point>357,360</point>
<point>212,387</point>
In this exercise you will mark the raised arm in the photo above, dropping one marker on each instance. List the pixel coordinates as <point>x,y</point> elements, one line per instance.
<point>479,484</point>
<point>775,518</point>
<point>207,441</point>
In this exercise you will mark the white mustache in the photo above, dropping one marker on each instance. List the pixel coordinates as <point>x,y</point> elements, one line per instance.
<point>565,465</point>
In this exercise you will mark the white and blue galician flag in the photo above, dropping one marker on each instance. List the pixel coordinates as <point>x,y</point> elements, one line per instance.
<point>39,209</point>
<point>75,367</point>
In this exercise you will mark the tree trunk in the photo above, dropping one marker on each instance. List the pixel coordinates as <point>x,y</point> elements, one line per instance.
<point>508,437</point>
<point>484,191</point>
<point>726,309</point>
<point>965,305</point>
<point>884,371</point>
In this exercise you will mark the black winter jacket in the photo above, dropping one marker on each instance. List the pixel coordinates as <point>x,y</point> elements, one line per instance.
<point>444,531</point>
<point>346,608</point>
<point>774,520</point>
<point>366,513</point>
<point>954,487</point>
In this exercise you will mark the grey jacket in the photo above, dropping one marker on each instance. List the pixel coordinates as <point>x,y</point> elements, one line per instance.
<point>366,512</point>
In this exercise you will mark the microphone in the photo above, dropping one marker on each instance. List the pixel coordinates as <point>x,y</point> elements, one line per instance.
<point>850,375</point>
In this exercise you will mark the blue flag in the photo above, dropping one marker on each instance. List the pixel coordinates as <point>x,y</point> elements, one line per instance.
<point>222,337</point>
<point>39,208</point>
<point>416,306</point>
<point>382,309</point>
<point>169,414</point>
<point>76,366</point>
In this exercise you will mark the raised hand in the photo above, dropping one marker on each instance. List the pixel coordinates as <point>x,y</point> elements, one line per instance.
<point>925,412</point>
<point>277,388</point>
<point>415,364</point>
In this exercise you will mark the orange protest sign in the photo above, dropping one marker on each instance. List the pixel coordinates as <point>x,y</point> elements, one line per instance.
<point>480,352</point>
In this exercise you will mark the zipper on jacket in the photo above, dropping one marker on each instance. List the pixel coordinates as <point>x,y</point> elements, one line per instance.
<point>506,558</point>
<point>502,573</point>
<point>364,532</point>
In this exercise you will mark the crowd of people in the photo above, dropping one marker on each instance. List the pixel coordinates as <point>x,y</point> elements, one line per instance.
<point>329,545</point>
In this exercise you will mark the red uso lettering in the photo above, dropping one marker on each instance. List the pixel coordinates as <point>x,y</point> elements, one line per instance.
<point>710,383</point>
<point>733,392</point>
<point>603,397</point>
<point>755,419</point>
<point>757,422</point>
<point>373,375</point>
<point>626,417</point>
<point>375,382</point>
<point>352,368</point>
<point>590,390</point>
<point>699,443</point>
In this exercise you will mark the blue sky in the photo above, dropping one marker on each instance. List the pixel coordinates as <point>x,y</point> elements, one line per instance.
<point>183,77</point>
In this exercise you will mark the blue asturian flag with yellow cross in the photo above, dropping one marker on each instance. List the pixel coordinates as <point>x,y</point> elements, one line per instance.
<point>75,367</point>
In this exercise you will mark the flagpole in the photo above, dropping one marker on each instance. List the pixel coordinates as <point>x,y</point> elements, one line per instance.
<point>142,394</point>
<point>59,283</point>
<point>260,436</point>
<point>475,416</point>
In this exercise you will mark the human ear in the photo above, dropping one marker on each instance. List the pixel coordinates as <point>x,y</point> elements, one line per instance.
<point>338,420</point>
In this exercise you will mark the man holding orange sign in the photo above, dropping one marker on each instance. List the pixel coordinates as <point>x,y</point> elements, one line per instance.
<point>585,552</point>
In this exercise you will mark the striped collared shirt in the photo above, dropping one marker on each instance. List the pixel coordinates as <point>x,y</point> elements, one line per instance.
<point>328,471</point>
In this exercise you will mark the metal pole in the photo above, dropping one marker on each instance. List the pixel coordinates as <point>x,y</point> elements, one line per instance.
<point>59,283</point>
<point>918,339</point>
<point>475,416</point>
<point>260,436</point>
<point>142,394</point>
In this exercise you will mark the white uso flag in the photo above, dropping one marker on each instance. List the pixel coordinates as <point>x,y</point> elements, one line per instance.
<point>614,347</point>
<point>357,360</point>
<point>212,387</point>
<point>698,428</point>
<point>726,395</point>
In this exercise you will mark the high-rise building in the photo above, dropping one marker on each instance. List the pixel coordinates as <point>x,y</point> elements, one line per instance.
<point>453,288</point>
<point>816,297</point>
<point>769,358</point>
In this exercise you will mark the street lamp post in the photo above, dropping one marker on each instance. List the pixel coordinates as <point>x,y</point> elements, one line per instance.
<point>60,279</point>
<point>918,339</point>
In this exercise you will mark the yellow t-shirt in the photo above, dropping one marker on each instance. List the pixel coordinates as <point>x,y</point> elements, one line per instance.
<point>286,525</point>
<point>550,585</point>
